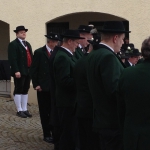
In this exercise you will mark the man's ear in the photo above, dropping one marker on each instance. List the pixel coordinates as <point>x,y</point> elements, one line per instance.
<point>69,41</point>
<point>115,37</point>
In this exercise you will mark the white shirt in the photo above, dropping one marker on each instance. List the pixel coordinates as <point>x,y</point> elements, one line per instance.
<point>67,50</point>
<point>49,50</point>
<point>80,46</point>
<point>22,43</point>
<point>107,46</point>
<point>130,63</point>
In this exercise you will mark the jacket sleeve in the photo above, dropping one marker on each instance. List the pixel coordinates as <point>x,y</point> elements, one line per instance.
<point>34,68</point>
<point>121,104</point>
<point>62,72</point>
<point>111,70</point>
<point>12,57</point>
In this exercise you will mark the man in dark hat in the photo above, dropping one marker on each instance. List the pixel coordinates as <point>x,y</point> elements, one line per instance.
<point>84,111</point>
<point>54,110</point>
<point>133,55</point>
<point>40,75</point>
<point>20,59</point>
<point>103,71</point>
<point>83,43</point>
<point>64,63</point>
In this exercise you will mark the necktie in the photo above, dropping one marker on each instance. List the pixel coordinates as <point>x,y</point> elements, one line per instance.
<point>48,53</point>
<point>24,42</point>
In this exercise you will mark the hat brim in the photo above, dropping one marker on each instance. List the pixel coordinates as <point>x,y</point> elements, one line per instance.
<point>84,31</point>
<point>92,42</point>
<point>114,31</point>
<point>52,38</point>
<point>135,54</point>
<point>72,37</point>
<point>124,57</point>
<point>138,54</point>
<point>20,30</point>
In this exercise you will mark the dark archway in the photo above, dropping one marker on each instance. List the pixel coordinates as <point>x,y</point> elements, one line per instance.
<point>73,20</point>
<point>5,86</point>
<point>5,39</point>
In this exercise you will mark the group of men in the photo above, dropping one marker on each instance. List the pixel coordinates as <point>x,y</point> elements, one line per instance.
<point>77,86</point>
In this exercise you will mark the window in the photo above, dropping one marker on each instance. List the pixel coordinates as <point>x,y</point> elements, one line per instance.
<point>57,27</point>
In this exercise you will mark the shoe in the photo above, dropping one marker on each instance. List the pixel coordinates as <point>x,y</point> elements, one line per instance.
<point>21,114</point>
<point>48,139</point>
<point>27,113</point>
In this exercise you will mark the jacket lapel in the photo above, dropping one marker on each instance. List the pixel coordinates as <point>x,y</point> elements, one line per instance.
<point>20,43</point>
<point>45,51</point>
<point>29,46</point>
<point>73,59</point>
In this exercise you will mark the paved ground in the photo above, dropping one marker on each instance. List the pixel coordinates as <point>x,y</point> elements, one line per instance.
<point>18,133</point>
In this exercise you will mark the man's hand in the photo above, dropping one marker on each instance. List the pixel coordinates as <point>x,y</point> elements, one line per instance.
<point>17,75</point>
<point>38,88</point>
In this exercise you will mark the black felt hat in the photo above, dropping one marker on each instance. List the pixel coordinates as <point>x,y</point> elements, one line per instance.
<point>95,40</point>
<point>114,27</point>
<point>124,56</point>
<point>132,52</point>
<point>85,28</point>
<point>53,36</point>
<point>72,34</point>
<point>20,28</point>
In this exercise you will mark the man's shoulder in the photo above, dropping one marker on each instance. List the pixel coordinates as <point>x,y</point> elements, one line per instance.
<point>14,42</point>
<point>28,43</point>
<point>102,52</point>
<point>39,49</point>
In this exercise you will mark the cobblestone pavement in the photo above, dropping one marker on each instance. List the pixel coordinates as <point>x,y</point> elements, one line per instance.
<point>20,133</point>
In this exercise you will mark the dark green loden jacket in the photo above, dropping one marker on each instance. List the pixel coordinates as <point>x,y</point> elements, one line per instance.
<point>63,65</point>
<point>127,64</point>
<point>134,106</point>
<point>78,53</point>
<point>104,69</point>
<point>84,99</point>
<point>39,70</point>
<point>17,57</point>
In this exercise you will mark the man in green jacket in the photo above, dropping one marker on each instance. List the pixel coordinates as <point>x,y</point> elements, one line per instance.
<point>104,69</point>
<point>40,74</point>
<point>64,63</point>
<point>134,103</point>
<point>84,110</point>
<point>83,43</point>
<point>20,59</point>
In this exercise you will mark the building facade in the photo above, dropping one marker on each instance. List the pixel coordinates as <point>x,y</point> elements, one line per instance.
<point>39,17</point>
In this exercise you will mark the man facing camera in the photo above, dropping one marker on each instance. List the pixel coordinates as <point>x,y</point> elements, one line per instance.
<point>40,74</point>
<point>133,57</point>
<point>20,59</point>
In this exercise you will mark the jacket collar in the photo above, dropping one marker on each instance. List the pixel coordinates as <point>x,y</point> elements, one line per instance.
<point>104,46</point>
<point>45,51</point>
<point>64,50</point>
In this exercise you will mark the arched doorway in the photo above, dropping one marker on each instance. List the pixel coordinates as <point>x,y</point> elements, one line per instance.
<point>73,20</point>
<point>5,86</point>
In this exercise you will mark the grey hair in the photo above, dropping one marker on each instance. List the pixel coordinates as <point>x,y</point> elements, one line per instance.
<point>145,49</point>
